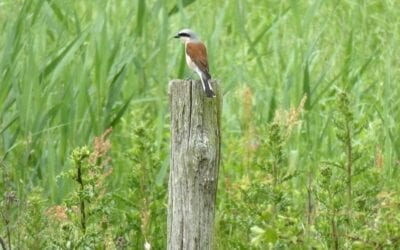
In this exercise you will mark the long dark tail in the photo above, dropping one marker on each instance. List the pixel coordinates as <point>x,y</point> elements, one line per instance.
<point>206,81</point>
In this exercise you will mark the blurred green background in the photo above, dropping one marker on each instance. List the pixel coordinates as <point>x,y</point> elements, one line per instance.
<point>69,70</point>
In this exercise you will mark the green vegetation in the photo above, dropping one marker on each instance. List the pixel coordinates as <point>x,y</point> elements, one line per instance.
<point>311,145</point>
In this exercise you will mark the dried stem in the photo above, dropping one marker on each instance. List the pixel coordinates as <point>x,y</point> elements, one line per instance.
<point>82,202</point>
<point>3,244</point>
<point>349,167</point>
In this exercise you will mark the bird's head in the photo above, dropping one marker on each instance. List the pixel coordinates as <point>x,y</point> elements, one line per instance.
<point>186,35</point>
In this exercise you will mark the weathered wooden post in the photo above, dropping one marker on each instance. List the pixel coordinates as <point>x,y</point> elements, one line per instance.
<point>194,163</point>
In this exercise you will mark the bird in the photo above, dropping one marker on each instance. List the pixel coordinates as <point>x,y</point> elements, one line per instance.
<point>196,58</point>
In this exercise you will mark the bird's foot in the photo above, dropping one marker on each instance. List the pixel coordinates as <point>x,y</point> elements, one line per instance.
<point>189,77</point>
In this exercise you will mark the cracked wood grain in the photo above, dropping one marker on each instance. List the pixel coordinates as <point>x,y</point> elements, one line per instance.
<point>194,163</point>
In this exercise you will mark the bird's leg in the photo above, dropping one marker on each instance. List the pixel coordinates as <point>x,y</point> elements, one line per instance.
<point>190,77</point>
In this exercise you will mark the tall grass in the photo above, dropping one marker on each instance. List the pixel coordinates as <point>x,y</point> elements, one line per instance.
<point>71,69</point>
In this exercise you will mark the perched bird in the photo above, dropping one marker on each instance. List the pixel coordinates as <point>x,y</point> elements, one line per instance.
<point>196,58</point>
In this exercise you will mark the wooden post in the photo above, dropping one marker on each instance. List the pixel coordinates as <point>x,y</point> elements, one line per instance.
<point>194,163</point>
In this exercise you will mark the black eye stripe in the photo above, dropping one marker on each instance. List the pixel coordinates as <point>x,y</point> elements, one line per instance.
<point>184,34</point>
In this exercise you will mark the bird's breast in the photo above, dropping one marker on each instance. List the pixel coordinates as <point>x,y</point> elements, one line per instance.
<point>190,63</point>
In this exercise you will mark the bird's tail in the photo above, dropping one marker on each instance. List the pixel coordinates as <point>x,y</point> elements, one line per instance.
<point>206,81</point>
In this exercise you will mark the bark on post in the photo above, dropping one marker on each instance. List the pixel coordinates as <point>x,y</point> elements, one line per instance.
<point>194,163</point>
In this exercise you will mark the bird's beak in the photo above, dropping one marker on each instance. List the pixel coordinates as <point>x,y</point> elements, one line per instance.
<point>176,36</point>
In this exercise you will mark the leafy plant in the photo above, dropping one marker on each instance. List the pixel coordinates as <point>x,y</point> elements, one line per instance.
<point>85,215</point>
<point>327,178</point>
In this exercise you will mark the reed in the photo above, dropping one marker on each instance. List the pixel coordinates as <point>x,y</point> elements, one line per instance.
<point>69,70</point>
